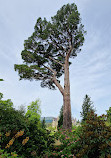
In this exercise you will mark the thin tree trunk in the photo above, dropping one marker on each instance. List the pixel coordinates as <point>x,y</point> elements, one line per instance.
<point>67,121</point>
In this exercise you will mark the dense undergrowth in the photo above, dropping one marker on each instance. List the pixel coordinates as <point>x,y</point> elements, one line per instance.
<point>20,137</point>
<point>90,140</point>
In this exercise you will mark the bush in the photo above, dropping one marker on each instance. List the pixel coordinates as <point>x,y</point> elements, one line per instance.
<point>4,154</point>
<point>27,143</point>
<point>91,139</point>
<point>95,138</point>
<point>68,141</point>
<point>19,134</point>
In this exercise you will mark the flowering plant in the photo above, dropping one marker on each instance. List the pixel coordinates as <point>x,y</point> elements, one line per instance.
<point>68,141</point>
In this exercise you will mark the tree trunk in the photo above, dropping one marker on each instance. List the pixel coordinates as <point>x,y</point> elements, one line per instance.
<point>67,121</point>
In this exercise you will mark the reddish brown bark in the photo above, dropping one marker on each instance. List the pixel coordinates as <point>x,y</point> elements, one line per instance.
<point>67,121</point>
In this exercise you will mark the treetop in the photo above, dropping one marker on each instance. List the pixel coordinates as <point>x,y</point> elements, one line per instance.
<point>52,41</point>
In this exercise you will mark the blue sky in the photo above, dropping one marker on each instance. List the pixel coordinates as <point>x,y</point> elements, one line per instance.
<point>90,72</point>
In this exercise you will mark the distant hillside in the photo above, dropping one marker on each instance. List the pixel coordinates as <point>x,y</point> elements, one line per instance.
<point>47,119</point>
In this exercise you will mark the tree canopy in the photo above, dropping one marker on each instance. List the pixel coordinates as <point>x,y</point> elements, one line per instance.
<point>33,111</point>
<point>45,51</point>
<point>5,104</point>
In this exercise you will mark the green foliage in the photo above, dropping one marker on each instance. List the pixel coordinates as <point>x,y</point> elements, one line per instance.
<point>49,125</point>
<point>50,42</point>
<point>10,119</point>
<point>32,140</point>
<point>66,148</point>
<point>1,80</point>
<point>52,130</point>
<point>91,139</point>
<point>109,115</point>
<point>4,154</point>
<point>5,104</point>
<point>77,129</point>
<point>33,112</point>
<point>86,107</point>
<point>95,138</point>
<point>1,96</point>
<point>108,123</point>
<point>60,121</point>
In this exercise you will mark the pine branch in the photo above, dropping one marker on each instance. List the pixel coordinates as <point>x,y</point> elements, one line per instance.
<point>56,44</point>
<point>50,70</point>
<point>56,61</point>
<point>58,85</point>
<point>55,80</point>
<point>1,80</point>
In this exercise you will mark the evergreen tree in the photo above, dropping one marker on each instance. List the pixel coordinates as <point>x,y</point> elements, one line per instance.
<point>86,107</point>
<point>60,121</point>
<point>47,52</point>
<point>109,115</point>
<point>43,123</point>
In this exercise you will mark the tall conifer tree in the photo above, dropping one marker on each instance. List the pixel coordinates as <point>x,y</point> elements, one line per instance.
<point>47,52</point>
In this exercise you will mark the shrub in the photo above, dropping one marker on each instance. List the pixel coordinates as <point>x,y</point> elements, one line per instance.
<point>33,145</point>
<point>68,141</point>
<point>4,154</point>
<point>95,138</point>
<point>18,133</point>
<point>92,139</point>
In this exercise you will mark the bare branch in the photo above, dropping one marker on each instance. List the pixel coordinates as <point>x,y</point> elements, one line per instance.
<point>56,61</point>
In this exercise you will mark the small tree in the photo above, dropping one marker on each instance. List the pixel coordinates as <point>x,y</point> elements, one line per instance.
<point>109,115</point>
<point>33,113</point>
<point>86,107</point>
<point>5,104</point>
<point>60,121</point>
<point>47,52</point>
<point>43,123</point>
